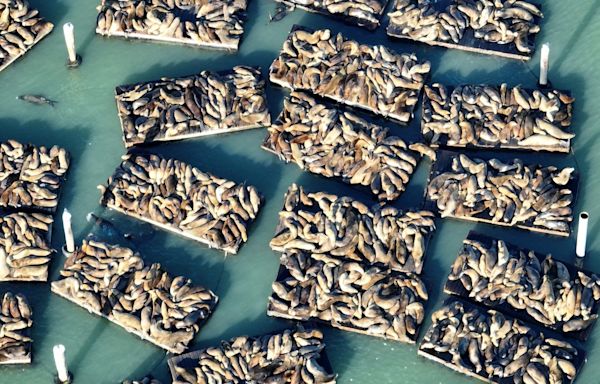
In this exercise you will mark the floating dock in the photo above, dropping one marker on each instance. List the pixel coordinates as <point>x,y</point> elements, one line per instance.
<point>25,245</point>
<point>348,295</point>
<point>368,77</point>
<point>182,199</point>
<point>344,228</point>
<point>112,281</point>
<point>206,104</point>
<point>532,197</point>
<point>32,176</point>
<point>334,143</point>
<point>276,357</point>
<point>497,348</point>
<point>22,29</point>
<point>500,28</point>
<point>217,24</point>
<point>365,14</point>
<point>497,117</point>
<point>527,285</point>
<point>15,324</point>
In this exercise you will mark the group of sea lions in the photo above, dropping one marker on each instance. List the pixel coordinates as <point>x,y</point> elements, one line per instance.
<point>335,143</point>
<point>370,77</point>
<point>290,356</point>
<point>498,348</point>
<point>509,194</point>
<point>495,273</point>
<point>181,198</point>
<point>342,262</point>
<point>483,116</point>
<point>21,27</point>
<point>215,23</point>
<point>31,178</point>
<point>500,23</point>
<point>114,282</point>
<point>15,324</point>
<point>171,109</point>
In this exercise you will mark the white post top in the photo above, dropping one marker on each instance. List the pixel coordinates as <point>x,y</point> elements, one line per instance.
<point>582,228</point>
<point>69,239</point>
<point>68,28</point>
<point>69,32</point>
<point>544,58</point>
<point>60,362</point>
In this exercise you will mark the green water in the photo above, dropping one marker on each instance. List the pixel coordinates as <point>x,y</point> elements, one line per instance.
<point>85,122</point>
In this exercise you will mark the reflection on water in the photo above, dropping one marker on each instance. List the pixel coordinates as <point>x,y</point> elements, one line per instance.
<point>85,121</point>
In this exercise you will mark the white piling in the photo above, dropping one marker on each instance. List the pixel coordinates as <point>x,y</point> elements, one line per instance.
<point>582,226</point>
<point>544,58</point>
<point>61,363</point>
<point>73,58</point>
<point>69,240</point>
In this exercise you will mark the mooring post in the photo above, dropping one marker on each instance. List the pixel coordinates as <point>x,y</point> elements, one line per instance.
<point>63,376</point>
<point>582,226</point>
<point>73,59</point>
<point>544,57</point>
<point>69,246</point>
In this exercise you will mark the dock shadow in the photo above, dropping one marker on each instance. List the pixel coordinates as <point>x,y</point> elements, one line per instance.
<point>255,168</point>
<point>38,132</point>
<point>209,62</point>
<point>177,255</point>
<point>53,11</point>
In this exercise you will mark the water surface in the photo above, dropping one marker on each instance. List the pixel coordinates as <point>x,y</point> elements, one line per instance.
<point>85,122</point>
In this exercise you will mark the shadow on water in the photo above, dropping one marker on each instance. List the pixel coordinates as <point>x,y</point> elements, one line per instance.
<point>209,156</point>
<point>174,254</point>
<point>91,336</point>
<point>158,369</point>
<point>53,11</point>
<point>39,133</point>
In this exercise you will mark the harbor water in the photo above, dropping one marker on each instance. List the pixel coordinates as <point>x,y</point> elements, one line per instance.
<point>85,122</point>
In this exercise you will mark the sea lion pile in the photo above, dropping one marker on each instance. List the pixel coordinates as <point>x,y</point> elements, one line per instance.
<point>497,117</point>
<point>494,273</point>
<point>112,281</point>
<point>505,26</point>
<point>345,229</point>
<point>31,177</point>
<point>335,143</point>
<point>498,348</point>
<point>203,104</point>
<point>15,324</point>
<point>214,23</point>
<point>292,356</point>
<point>349,295</point>
<point>21,27</point>
<point>371,77</point>
<point>364,13</point>
<point>181,198</point>
<point>533,197</point>
<point>25,252</point>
